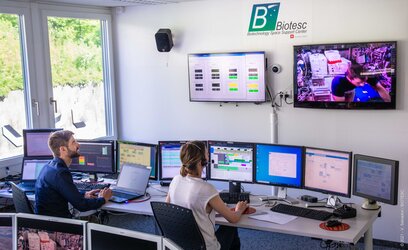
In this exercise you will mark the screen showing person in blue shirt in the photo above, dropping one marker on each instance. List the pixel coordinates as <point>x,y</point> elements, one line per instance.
<point>54,187</point>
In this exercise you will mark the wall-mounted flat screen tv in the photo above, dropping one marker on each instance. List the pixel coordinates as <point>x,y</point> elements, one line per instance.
<point>227,77</point>
<point>345,75</point>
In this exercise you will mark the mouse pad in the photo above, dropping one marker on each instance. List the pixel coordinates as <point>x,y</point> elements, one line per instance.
<point>249,210</point>
<point>342,227</point>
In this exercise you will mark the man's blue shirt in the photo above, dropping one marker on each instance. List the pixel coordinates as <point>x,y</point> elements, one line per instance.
<point>55,188</point>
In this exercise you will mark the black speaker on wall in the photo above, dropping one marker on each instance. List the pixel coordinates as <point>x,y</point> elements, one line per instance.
<point>164,40</point>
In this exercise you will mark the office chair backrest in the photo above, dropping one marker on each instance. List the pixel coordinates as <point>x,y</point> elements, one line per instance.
<point>21,202</point>
<point>178,224</point>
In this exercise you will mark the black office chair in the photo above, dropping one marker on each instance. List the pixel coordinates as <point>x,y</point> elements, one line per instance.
<point>178,224</point>
<point>21,202</point>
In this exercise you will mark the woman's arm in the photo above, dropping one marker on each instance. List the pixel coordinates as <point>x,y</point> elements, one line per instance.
<point>232,216</point>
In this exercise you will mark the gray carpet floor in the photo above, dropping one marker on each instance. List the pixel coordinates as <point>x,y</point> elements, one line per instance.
<point>250,239</point>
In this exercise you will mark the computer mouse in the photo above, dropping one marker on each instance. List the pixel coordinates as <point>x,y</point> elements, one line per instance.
<point>332,223</point>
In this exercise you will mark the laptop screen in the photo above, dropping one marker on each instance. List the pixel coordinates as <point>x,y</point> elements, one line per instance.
<point>133,178</point>
<point>32,168</point>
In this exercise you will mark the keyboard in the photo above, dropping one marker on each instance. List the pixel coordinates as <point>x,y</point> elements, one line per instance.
<point>302,212</point>
<point>88,186</point>
<point>123,195</point>
<point>233,198</point>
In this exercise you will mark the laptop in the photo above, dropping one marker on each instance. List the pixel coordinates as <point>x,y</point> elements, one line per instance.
<point>30,170</point>
<point>132,183</point>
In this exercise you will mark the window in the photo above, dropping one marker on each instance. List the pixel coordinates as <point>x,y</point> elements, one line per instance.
<point>56,70</point>
<point>76,54</point>
<point>12,85</point>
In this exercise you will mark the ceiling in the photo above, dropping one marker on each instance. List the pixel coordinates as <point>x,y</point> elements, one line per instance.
<point>117,3</point>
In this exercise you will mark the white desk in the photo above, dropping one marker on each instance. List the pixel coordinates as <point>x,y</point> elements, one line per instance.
<point>359,226</point>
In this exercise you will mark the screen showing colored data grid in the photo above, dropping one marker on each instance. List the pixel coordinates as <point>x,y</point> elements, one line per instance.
<point>231,161</point>
<point>169,159</point>
<point>235,77</point>
<point>137,153</point>
<point>279,165</point>
<point>328,171</point>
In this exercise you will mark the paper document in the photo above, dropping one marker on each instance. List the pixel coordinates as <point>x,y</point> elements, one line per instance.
<point>274,217</point>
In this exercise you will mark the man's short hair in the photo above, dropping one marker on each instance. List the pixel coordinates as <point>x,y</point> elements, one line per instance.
<point>58,139</point>
<point>355,71</point>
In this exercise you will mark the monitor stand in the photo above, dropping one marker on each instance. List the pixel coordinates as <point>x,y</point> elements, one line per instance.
<point>93,177</point>
<point>234,187</point>
<point>282,196</point>
<point>369,204</point>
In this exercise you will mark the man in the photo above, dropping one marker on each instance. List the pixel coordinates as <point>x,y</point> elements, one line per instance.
<point>343,88</point>
<point>55,187</point>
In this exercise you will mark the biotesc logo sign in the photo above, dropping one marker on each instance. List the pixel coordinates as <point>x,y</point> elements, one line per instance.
<point>264,17</point>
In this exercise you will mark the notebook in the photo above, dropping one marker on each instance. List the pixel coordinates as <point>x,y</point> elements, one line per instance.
<point>132,183</point>
<point>30,170</point>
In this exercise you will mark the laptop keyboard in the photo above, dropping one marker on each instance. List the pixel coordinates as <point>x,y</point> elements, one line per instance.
<point>123,195</point>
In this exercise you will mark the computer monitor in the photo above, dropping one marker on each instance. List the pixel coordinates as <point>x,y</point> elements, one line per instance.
<point>102,237</point>
<point>169,160</point>
<point>170,245</point>
<point>137,153</point>
<point>328,171</point>
<point>231,161</point>
<point>36,142</point>
<point>7,235</point>
<point>95,157</point>
<point>31,168</point>
<point>375,179</point>
<point>279,165</point>
<point>45,232</point>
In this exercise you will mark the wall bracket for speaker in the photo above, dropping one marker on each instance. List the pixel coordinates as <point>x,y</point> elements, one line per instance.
<point>79,124</point>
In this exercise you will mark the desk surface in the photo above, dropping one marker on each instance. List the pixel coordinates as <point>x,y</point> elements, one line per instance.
<point>300,226</point>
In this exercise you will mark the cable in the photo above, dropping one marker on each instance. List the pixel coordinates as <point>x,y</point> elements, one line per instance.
<point>162,191</point>
<point>146,199</point>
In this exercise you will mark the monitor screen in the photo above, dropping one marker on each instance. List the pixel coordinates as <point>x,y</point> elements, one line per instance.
<point>95,157</point>
<point>279,165</point>
<point>36,142</point>
<point>346,75</point>
<point>102,237</point>
<point>169,159</point>
<point>137,153</point>
<point>227,77</point>
<point>44,232</point>
<point>32,168</point>
<point>231,161</point>
<point>327,171</point>
<point>376,178</point>
<point>6,231</point>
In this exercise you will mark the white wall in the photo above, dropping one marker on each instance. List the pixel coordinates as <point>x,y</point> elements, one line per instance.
<point>153,99</point>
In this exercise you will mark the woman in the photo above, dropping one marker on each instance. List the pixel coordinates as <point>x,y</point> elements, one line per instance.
<point>189,190</point>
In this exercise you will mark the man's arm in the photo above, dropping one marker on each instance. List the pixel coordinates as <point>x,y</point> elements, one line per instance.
<point>382,92</point>
<point>70,192</point>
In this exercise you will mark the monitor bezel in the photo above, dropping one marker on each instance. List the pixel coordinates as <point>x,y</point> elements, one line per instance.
<point>118,142</point>
<point>350,154</point>
<point>51,219</point>
<point>226,53</point>
<point>37,130</point>
<point>302,148</point>
<point>236,144</point>
<point>12,216</point>
<point>170,245</point>
<point>113,169</point>
<point>121,232</point>
<point>394,176</point>
<point>159,152</point>
<point>343,105</point>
